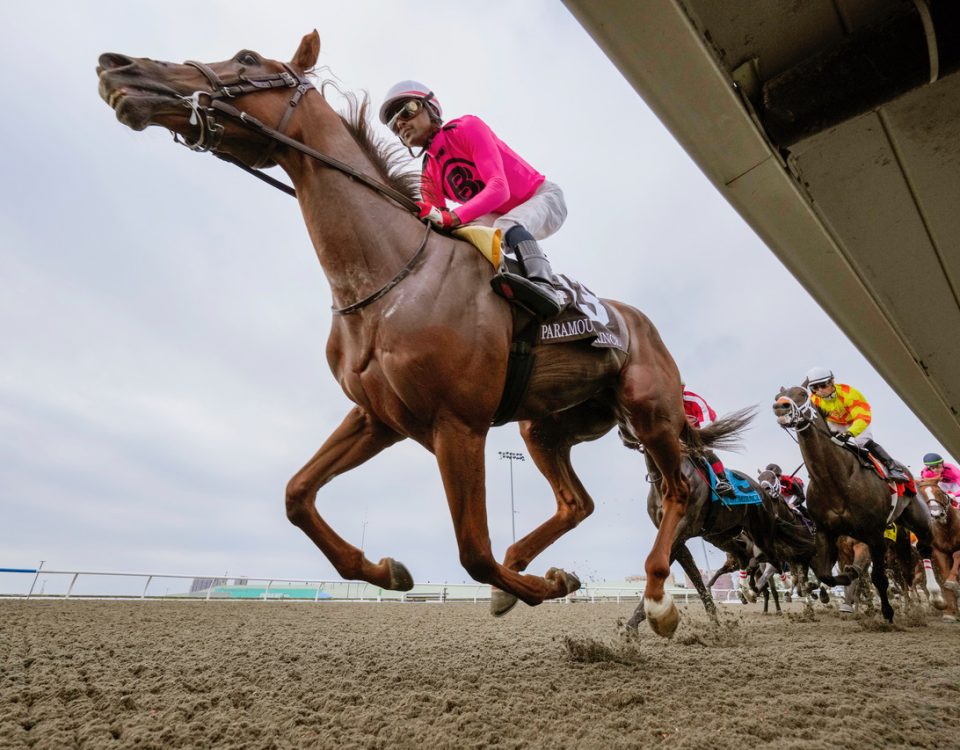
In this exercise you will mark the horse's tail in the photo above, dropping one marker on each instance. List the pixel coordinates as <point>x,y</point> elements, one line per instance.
<point>724,433</point>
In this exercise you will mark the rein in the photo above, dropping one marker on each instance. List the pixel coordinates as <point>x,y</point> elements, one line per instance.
<point>803,417</point>
<point>211,133</point>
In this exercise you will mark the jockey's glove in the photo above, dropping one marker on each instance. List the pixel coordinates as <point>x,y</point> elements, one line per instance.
<point>440,217</point>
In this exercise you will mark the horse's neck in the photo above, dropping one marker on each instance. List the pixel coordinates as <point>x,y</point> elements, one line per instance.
<point>825,462</point>
<point>361,238</point>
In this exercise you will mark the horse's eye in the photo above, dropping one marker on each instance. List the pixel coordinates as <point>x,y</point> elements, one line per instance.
<point>247,58</point>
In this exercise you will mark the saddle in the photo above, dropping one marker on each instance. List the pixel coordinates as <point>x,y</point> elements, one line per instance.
<point>744,494</point>
<point>868,461</point>
<point>584,316</point>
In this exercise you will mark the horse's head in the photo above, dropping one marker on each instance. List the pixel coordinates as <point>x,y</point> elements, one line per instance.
<point>184,97</point>
<point>793,409</point>
<point>938,502</point>
<point>769,482</point>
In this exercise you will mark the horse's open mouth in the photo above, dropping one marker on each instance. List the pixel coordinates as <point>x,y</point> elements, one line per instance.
<point>138,107</point>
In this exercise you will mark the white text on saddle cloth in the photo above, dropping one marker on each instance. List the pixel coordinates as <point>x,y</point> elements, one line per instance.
<point>585,317</point>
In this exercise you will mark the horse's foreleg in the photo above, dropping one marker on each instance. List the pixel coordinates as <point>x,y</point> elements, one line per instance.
<point>459,452</point>
<point>683,556</point>
<point>728,566</point>
<point>878,575</point>
<point>948,573</point>
<point>358,438</point>
<point>824,559</point>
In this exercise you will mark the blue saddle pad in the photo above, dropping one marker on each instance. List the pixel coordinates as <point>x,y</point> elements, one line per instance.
<point>744,493</point>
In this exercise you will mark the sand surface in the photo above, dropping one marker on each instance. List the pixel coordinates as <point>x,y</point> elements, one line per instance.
<point>333,675</point>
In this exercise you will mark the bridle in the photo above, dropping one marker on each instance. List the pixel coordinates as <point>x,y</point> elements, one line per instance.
<point>772,487</point>
<point>800,417</point>
<point>932,491</point>
<point>211,133</point>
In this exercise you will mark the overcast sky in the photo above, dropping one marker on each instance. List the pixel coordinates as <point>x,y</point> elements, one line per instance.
<point>163,315</point>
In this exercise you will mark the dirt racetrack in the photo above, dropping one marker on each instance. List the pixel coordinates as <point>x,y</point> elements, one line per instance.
<point>168,674</point>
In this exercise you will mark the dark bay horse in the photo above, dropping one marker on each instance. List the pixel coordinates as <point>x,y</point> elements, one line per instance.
<point>777,534</point>
<point>847,498</point>
<point>946,541</point>
<point>419,343</point>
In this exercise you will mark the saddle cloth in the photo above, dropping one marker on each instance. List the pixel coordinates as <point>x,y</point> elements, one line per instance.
<point>584,316</point>
<point>744,494</point>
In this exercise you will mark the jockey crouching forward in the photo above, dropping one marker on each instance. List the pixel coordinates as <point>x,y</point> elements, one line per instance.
<point>847,414</point>
<point>698,411</point>
<point>790,488</point>
<point>466,162</point>
<point>946,474</point>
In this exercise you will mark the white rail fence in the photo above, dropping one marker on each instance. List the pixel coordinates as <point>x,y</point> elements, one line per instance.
<point>45,583</point>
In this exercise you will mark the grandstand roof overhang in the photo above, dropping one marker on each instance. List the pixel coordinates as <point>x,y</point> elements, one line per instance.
<point>819,123</point>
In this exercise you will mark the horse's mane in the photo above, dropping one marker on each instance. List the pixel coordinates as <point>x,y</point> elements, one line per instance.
<point>390,159</point>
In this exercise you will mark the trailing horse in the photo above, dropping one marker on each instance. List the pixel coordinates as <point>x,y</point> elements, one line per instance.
<point>946,541</point>
<point>419,342</point>
<point>846,497</point>
<point>776,533</point>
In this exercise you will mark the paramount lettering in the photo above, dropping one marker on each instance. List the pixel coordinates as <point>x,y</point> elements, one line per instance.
<point>567,329</point>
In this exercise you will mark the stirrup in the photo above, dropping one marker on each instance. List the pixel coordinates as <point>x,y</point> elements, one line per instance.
<point>724,488</point>
<point>538,299</point>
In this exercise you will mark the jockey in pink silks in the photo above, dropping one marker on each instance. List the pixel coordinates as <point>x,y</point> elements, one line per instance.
<point>934,467</point>
<point>466,162</point>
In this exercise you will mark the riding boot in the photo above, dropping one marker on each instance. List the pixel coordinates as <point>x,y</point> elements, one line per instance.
<point>894,467</point>
<point>533,290</point>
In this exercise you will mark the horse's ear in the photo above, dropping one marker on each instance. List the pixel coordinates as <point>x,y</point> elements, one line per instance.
<point>782,391</point>
<point>305,58</point>
<point>805,383</point>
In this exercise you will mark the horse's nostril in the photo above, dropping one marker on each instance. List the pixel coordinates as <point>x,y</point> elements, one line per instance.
<point>114,60</point>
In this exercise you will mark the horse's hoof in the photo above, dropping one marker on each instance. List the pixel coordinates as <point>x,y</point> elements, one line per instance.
<point>501,602</point>
<point>824,597</point>
<point>937,602</point>
<point>400,578</point>
<point>949,618</point>
<point>571,582</point>
<point>662,615</point>
<point>953,586</point>
<point>845,609</point>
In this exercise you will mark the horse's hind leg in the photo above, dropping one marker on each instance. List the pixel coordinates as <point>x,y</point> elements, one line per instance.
<point>549,441</point>
<point>358,438</point>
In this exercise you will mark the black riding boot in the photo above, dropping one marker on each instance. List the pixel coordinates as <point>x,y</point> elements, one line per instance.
<point>533,290</point>
<point>894,467</point>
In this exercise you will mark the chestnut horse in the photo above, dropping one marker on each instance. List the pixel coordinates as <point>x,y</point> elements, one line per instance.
<point>848,498</point>
<point>419,342</point>
<point>946,541</point>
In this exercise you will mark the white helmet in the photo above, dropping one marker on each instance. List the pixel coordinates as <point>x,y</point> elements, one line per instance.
<point>818,375</point>
<point>408,90</point>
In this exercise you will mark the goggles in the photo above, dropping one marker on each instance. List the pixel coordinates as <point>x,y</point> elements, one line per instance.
<point>934,464</point>
<point>821,384</point>
<point>410,109</point>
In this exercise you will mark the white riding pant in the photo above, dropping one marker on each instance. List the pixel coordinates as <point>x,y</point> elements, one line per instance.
<point>542,215</point>
<point>860,439</point>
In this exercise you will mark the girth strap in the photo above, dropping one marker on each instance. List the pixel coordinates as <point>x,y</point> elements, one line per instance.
<point>519,368</point>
